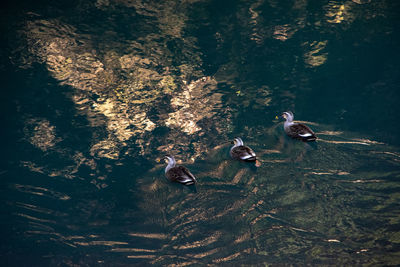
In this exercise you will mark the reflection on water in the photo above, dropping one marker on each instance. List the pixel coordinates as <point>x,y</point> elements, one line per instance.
<point>116,90</point>
<point>43,134</point>
<point>314,57</point>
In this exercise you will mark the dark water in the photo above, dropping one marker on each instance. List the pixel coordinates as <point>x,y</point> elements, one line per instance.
<point>94,93</point>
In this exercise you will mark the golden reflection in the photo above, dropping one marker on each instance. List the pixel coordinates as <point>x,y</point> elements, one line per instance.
<point>29,217</point>
<point>33,167</point>
<point>315,57</point>
<point>205,254</point>
<point>275,160</point>
<point>81,71</point>
<point>196,102</point>
<point>370,142</point>
<point>329,172</point>
<point>201,243</point>
<point>120,121</point>
<point>141,256</point>
<point>245,237</point>
<point>251,181</point>
<point>74,237</point>
<point>257,34</point>
<point>361,181</point>
<point>40,191</point>
<point>235,255</point>
<point>189,231</point>
<point>338,12</point>
<point>105,149</point>
<point>149,235</point>
<point>54,236</point>
<point>230,257</point>
<point>128,85</point>
<point>100,243</point>
<point>301,230</point>
<point>361,251</point>
<point>236,205</point>
<point>33,208</point>
<point>236,179</point>
<point>366,181</point>
<point>261,216</point>
<point>133,250</point>
<point>271,151</point>
<point>44,228</point>
<point>283,32</point>
<point>195,216</point>
<point>330,133</point>
<point>69,171</point>
<point>333,240</point>
<point>38,232</point>
<point>360,2</point>
<point>41,134</point>
<point>365,142</point>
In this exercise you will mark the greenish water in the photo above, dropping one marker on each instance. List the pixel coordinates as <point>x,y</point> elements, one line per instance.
<point>95,93</point>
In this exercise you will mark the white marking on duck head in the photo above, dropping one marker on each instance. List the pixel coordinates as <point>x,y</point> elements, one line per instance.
<point>238,142</point>
<point>288,116</point>
<point>171,163</point>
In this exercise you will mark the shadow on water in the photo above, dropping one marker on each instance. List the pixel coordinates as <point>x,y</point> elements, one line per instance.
<point>97,92</point>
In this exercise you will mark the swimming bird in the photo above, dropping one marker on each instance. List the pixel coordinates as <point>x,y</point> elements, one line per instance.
<point>297,130</point>
<point>242,152</point>
<point>179,174</point>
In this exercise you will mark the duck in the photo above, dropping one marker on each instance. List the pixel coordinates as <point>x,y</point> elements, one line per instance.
<point>242,152</point>
<point>178,174</point>
<point>297,130</point>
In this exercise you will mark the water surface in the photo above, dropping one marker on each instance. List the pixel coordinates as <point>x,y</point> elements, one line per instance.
<point>95,93</point>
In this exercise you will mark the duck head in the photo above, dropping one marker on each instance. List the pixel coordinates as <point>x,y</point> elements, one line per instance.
<point>237,142</point>
<point>171,162</point>
<point>288,116</point>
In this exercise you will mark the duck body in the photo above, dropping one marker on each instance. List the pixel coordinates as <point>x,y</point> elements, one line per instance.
<point>242,152</point>
<point>178,174</point>
<point>297,130</point>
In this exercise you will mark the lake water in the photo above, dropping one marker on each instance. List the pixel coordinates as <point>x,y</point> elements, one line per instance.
<point>95,93</point>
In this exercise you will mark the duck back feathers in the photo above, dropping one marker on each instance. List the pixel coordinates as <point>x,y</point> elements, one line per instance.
<point>301,132</point>
<point>179,174</point>
<point>242,152</point>
<point>297,130</point>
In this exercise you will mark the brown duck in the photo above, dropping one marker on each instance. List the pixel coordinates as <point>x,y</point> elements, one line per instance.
<point>178,174</point>
<point>297,130</point>
<point>242,152</point>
